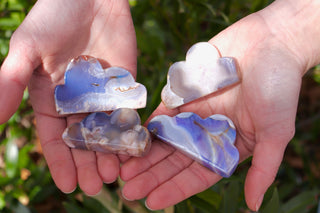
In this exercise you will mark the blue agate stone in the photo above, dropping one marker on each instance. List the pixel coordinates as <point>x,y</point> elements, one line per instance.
<point>208,141</point>
<point>120,133</point>
<point>90,88</point>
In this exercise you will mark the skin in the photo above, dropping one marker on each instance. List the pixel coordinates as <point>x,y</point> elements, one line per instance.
<point>40,50</point>
<point>273,51</point>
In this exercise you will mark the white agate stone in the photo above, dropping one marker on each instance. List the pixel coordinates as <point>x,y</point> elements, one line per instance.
<point>203,73</point>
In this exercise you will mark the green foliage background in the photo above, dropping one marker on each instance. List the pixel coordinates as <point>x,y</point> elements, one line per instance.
<point>165,30</point>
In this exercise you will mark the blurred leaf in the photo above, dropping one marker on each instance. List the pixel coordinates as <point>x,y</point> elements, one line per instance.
<point>230,197</point>
<point>24,158</point>
<point>184,207</point>
<point>286,189</point>
<point>152,33</point>
<point>273,206</point>
<point>182,6</point>
<point>38,194</point>
<point>316,74</point>
<point>2,201</point>
<point>11,158</point>
<point>15,4</point>
<point>72,208</point>
<point>132,3</point>
<point>9,23</point>
<point>210,8</point>
<point>34,191</point>
<point>258,5</point>
<point>19,208</point>
<point>5,180</point>
<point>2,127</point>
<point>211,197</point>
<point>94,205</point>
<point>107,199</point>
<point>203,205</point>
<point>300,203</point>
<point>4,48</point>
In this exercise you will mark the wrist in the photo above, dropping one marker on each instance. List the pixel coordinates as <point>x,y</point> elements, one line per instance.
<point>296,23</point>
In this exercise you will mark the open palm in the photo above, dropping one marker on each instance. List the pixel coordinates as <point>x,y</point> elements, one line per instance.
<point>53,33</point>
<point>262,107</point>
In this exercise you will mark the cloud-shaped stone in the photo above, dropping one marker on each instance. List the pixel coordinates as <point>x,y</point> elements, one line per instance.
<point>90,88</point>
<point>203,73</point>
<point>208,141</point>
<point>120,133</point>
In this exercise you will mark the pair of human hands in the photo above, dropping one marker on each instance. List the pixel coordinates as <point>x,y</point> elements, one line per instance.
<point>262,106</point>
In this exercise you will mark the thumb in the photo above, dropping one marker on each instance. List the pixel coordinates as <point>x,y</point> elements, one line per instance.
<point>162,110</point>
<point>266,160</point>
<point>15,73</point>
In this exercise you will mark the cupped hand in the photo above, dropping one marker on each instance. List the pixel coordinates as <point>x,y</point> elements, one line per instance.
<point>262,106</point>
<point>53,33</point>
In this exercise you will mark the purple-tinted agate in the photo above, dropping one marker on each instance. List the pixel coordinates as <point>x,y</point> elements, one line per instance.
<point>209,141</point>
<point>90,88</point>
<point>120,133</point>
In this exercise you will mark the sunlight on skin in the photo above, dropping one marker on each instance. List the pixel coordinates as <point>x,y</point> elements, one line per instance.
<point>273,54</point>
<point>40,50</point>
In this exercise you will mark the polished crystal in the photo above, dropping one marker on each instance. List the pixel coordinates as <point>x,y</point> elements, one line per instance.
<point>120,133</point>
<point>208,141</point>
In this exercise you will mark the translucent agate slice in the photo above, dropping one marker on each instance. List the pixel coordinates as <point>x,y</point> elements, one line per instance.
<point>120,133</point>
<point>208,141</point>
<point>203,73</point>
<point>90,88</point>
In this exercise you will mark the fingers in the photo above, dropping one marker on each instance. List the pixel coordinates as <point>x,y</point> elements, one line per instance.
<point>85,163</point>
<point>266,160</point>
<point>135,171</point>
<point>165,176</point>
<point>87,172</point>
<point>69,167</point>
<point>143,184</point>
<point>93,168</point>
<point>192,180</point>
<point>15,72</point>
<point>57,154</point>
<point>136,166</point>
<point>108,167</point>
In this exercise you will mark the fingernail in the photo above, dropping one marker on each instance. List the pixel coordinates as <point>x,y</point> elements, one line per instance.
<point>109,182</point>
<point>96,194</point>
<point>145,203</point>
<point>69,192</point>
<point>259,202</point>
<point>125,197</point>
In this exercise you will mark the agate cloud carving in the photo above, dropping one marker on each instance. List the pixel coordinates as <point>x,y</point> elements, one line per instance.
<point>90,88</point>
<point>203,73</point>
<point>120,133</point>
<point>208,141</point>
